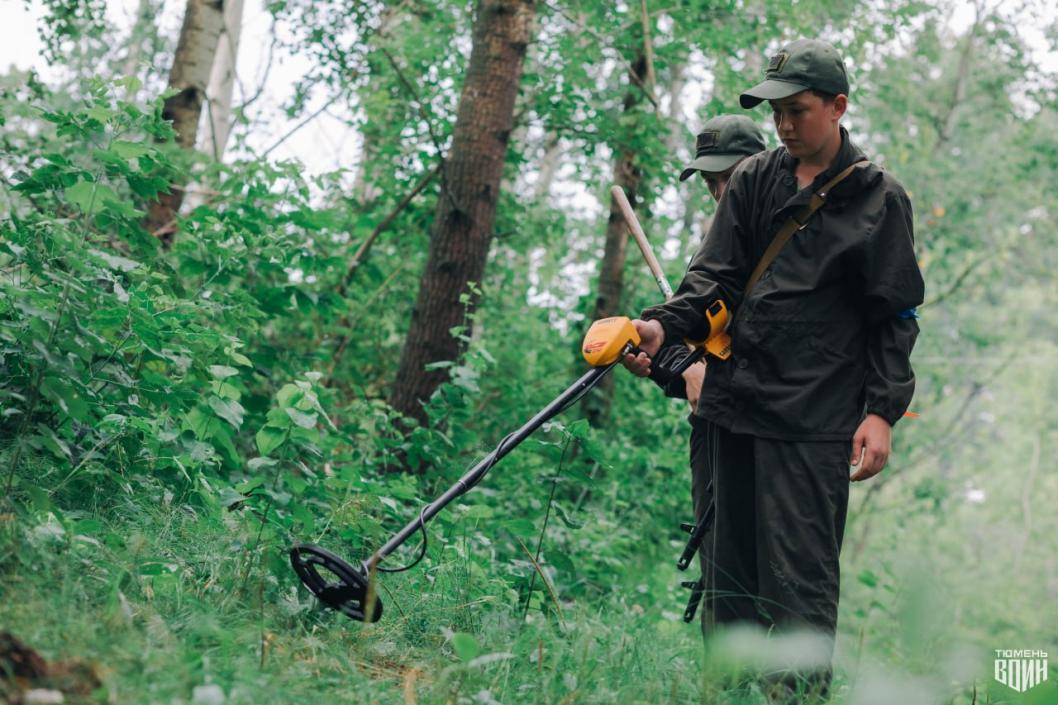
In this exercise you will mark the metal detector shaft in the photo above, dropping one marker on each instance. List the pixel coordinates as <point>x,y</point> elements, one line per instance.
<point>474,475</point>
<point>349,588</point>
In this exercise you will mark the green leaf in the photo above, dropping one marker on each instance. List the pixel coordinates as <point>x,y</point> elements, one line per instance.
<point>308,521</point>
<point>68,398</point>
<point>115,262</point>
<point>562,563</point>
<point>579,429</point>
<point>257,463</point>
<point>130,83</point>
<point>129,150</point>
<point>270,438</point>
<point>868,578</point>
<point>250,485</point>
<point>225,390</point>
<point>222,371</point>
<point>465,646</point>
<point>229,497</point>
<point>479,511</point>
<point>89,196</point>
<point>157,567</point>
<point>288,395</point>
<point>228,409</point>
<point>97,112</point>
<point>297,484</point>
<point>201,424</point>
<point>566,518</point>
<point>53,443</point>
<point>240,359</point>
<point>38,498</point>
<point>277,418</point>
<point>311,435</point>
<point>302,419</point>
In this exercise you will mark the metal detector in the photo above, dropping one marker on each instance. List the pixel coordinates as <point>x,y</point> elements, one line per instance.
<point>350,589</point>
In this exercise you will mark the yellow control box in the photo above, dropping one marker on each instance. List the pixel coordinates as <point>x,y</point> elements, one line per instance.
<point>608,339</point>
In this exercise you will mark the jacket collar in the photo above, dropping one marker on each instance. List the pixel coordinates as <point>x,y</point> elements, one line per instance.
<point>847,155</point>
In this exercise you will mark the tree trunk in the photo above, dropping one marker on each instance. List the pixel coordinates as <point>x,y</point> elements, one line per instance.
<point>222,82</point>
<point>192,64</point>
<point>626,174</point>
<point>466,207</point>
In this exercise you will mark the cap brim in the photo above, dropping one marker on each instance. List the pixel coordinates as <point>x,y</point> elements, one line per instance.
<point>771,89</point>
<point>714,163</point>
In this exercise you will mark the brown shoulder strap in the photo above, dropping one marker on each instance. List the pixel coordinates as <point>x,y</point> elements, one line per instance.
<point>795,223</point>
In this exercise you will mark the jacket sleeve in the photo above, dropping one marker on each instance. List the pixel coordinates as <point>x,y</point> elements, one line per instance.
<point>717,270</point>
<point>670,355</point>
<point>893,287</point>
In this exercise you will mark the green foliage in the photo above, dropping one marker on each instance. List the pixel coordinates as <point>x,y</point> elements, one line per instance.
<point>171,421</point>
<point>66,21</point>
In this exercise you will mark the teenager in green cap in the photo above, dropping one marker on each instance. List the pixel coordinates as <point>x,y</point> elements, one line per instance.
<point>721,145</point>
<point>819,371</point>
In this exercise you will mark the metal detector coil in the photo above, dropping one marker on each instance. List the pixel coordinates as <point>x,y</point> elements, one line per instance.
<point>352,592</point>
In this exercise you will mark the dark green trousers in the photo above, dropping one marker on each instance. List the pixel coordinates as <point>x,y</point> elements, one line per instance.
<point>772,556</point>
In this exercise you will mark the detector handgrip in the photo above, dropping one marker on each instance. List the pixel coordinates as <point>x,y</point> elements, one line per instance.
<point>718,343</point>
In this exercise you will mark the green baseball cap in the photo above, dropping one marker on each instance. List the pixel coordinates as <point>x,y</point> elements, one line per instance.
<point>801,65</point>
<point>722,142</point>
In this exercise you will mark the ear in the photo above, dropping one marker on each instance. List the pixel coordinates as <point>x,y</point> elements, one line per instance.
<point>841,104</point>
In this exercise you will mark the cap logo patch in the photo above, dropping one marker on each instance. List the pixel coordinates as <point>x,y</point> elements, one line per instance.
<point>777,62</point>
<point>707,140</point>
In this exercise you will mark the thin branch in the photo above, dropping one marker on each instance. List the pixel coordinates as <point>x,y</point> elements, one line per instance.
<point>366,244</point>
<point>420,106</point>
<point>543,577</point>
<point>347,320</point>
<point>543,529</point>
<point>957,284</point>
<point>267,70</point>
<point>300,125</point>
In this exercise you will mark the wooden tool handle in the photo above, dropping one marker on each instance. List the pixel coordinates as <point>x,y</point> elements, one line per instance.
<point>621,200</point>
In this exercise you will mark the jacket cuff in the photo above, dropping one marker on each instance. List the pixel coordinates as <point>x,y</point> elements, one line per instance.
<point>887,412</point>
<point>669,356</point>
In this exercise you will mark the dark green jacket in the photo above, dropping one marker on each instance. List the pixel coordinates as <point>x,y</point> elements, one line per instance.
<point>827,332</point>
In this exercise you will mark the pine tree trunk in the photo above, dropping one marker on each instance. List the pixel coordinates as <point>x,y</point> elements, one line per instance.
<point>189,76</point>
<point>466,207</point>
